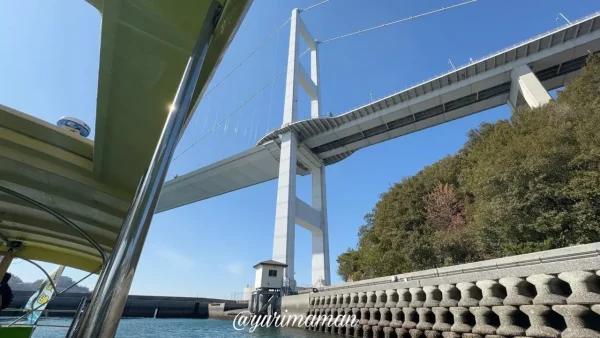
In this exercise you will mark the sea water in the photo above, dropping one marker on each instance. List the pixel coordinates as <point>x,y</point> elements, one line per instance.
<point>173,328</point>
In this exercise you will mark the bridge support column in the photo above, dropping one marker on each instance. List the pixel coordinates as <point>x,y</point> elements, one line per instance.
<point>290,210</point>
<point>525,82</point>
<point>285,209</point>
<point>320,239</point>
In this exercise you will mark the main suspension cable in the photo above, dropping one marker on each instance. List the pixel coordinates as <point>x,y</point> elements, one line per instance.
<point>315,5</point>
<point>398,21</point>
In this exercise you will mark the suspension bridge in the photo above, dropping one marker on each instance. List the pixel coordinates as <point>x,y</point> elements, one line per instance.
<point>73,176</point>
<point>519,75</point>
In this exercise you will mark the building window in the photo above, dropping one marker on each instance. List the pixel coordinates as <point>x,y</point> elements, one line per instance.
<point>272,273</point>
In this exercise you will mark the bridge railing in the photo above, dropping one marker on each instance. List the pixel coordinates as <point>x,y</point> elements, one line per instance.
<point>470,63</point>
<point>524,42</point>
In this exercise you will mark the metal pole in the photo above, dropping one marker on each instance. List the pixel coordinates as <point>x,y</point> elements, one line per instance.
<point>102,316</point>
<point>77,316</point>
<point>451,64</point>
<point>564,17</point>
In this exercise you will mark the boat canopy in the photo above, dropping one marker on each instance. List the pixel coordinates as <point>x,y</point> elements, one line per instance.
<point>144,47</point>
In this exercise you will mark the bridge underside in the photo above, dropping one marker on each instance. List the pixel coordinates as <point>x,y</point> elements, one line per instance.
<point>253,166</point>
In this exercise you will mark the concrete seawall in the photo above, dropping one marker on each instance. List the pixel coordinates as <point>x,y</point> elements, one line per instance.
<point>553,293</point>
<point>225,310</point>
<point>295,305</point>
<point>137,306</point>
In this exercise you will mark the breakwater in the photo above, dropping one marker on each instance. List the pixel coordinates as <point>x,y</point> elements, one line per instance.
<point>66,304</point>
<point>553,293</point>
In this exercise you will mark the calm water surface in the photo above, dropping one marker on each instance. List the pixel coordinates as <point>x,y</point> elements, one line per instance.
<point>175,328</point>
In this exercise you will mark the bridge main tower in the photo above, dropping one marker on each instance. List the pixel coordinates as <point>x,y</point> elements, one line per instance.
<point>290,210</point>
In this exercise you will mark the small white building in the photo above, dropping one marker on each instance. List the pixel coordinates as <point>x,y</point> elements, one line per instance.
<point>269,275</point>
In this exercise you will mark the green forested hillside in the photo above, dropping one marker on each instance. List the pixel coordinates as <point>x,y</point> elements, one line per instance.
<point>525,184</point>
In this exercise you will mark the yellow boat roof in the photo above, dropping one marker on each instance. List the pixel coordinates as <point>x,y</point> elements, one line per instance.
<point>144,47</point>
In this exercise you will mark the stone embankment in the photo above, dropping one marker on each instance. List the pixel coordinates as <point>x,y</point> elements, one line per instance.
<point>553,293</point>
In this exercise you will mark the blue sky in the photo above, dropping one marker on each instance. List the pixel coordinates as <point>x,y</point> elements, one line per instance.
<point>48,68</point>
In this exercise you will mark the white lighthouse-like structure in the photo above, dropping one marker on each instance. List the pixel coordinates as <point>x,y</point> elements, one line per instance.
<point>268,287</point>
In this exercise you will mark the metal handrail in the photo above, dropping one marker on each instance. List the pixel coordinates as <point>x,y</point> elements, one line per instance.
<point>52,298</point>
<point>58,216</point>
<point>44,271</point>
<point>82,304</point>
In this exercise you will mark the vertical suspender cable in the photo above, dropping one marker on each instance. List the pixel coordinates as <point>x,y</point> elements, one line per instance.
<point>272,84</point>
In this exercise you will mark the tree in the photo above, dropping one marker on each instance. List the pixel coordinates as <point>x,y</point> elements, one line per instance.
<point>443,209</point>
<point>348,265</point>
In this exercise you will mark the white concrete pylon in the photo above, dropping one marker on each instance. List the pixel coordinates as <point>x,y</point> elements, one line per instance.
<point>315,107</point>
<point>285,209</point>
<point>320,239</point>
<point>290,104</point>
<point>290,210</point>
<point>529,86</point>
